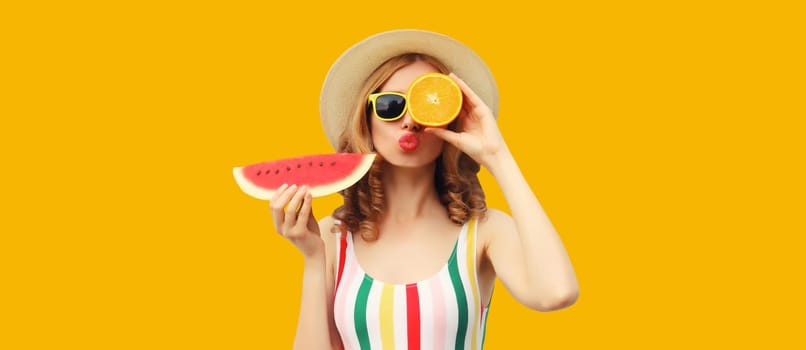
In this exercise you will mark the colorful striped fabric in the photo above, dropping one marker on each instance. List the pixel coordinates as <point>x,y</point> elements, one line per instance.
<point>443,312</point>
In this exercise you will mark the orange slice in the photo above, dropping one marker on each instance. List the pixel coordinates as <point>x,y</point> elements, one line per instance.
<point>434,99</point>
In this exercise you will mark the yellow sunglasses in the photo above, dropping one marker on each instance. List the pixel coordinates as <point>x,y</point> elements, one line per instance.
<point>388,106</point>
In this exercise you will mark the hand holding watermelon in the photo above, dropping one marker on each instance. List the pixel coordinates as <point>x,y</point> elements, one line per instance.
<point>293,218</point>
<point>291,184</point>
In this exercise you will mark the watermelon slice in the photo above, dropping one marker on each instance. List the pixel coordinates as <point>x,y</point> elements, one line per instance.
<point>324,174</point>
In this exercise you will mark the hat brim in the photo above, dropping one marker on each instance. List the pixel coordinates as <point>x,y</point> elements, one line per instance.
<point>349,72</point>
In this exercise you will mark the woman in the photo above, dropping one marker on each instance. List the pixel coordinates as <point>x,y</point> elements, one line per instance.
<point>411,258</point>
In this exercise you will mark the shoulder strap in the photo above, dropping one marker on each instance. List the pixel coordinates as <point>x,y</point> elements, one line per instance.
<point>472,239</point>
<point>341,252</point>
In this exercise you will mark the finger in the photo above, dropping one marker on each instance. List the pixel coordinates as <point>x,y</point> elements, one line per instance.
<point>466,113</point>
<point>449,136</point>
<point>278,193</point>
<point>472,99</point>
<point>277,203</point>
<point>305,212</point>
<point>292,208</point>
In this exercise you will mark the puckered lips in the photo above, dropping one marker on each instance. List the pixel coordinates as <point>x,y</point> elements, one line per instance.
<point>408,142</point>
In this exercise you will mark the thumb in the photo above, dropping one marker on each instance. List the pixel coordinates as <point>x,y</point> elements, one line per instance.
<point>449,136</point>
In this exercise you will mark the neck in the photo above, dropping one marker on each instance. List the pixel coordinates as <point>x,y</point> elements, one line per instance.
<point>413,192</point>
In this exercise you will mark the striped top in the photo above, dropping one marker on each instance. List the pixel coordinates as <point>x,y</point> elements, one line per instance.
<point>442,312</point>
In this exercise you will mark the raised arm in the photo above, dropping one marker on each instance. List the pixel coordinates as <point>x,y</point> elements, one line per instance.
<point>525,250</point>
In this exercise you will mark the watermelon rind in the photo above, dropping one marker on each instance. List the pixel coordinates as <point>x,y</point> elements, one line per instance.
<point>262,193</point>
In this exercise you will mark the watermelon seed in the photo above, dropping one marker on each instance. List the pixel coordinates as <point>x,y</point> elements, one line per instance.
<point>333,163</point>
<point>277,171</point>
<point>299,166</point>
<point>321,163</point>
<point>310,163</point>
<point>288,168</point>
<point>258,172</point>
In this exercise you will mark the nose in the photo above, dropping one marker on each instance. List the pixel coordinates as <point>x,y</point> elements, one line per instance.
<point>409,124</point>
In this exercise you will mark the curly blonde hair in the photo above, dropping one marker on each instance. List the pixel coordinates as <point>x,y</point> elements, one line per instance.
<point>455,176</point>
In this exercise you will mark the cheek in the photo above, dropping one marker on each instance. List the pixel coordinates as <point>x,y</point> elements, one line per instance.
<point>379,130</point>
<point>432,139</point>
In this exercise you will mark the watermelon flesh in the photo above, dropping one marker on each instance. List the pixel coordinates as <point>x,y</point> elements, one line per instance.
<point>323,174</point>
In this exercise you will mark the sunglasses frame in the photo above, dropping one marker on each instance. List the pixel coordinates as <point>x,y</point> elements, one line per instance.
<point>374,97</point>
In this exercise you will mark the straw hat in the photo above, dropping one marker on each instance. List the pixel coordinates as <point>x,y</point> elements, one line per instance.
<point>349,72</point>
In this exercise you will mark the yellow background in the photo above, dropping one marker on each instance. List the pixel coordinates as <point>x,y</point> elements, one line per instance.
<point>664,139</point>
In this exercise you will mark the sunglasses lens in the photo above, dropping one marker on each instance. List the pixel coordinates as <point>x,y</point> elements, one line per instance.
<point>389,106</point>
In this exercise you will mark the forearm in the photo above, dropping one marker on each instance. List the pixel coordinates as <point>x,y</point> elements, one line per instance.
<point>313,327</point>
<point>549,274</point>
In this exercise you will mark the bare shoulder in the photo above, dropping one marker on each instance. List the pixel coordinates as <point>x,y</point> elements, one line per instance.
<point>495,217</point>
<point>328,235</point>
<point>495,222</point>
<point>326,225</point>
<point>495,226</point>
